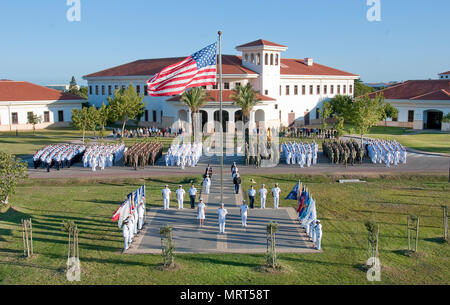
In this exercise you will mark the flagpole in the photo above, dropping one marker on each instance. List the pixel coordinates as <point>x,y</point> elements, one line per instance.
<point>220,116</point>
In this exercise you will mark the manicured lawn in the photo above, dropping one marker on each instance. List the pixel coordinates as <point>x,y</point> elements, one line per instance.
<point>343,208</point>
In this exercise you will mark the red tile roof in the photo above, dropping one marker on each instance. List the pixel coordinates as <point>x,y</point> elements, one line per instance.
<point>231,64</point>
<point>417,90</point>
<point>448,72</point>
<point>25,91</point>
<point>292,66</point>
<point>213,96</point>
<point>260,42</point>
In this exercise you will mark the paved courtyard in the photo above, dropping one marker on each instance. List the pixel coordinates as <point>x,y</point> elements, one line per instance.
<point>190,238</point>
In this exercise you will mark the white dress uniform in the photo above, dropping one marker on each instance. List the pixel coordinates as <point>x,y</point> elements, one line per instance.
<point>222,216</point>
<point>135,222</point>
<point>141,215</point>
<point>126,236</point>
<point>276,196</point>
<point>201,210</point>
<point>263,195</point>
<point>180,197</point>
<point>166,197</point>
<point>207,184</point>
<point>244,214</point>
<point>130,230</point>
<point>318,235</point>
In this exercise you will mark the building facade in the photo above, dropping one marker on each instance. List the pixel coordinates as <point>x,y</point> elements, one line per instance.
<point>421,104</point>
<point>19,99</point>
<point>291,90</point>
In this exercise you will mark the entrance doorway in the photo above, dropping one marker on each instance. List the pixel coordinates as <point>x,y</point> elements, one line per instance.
<point>433,119</point>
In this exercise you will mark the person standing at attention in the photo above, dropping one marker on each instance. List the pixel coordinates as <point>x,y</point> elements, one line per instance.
<point>192,195</point>
<point>263,195</point>
<point>180,196</point>
<point>201,207</point>
<point>222,217</point>
<point>166,196</point>
<point>276,195</point>
<point>251,196</point>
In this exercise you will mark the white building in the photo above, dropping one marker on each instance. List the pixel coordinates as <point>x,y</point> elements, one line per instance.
<point>444,75</point>
<point>291,90</point>
<point>421,104</point>
<point>18,99</point>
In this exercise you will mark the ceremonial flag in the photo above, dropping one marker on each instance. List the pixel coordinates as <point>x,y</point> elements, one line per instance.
<point>116,214</point>
<point>196,70</point>
<point>295,193</point>
<point>124,212</point>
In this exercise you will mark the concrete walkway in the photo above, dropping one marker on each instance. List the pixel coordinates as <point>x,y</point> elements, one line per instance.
<point>190,238</point>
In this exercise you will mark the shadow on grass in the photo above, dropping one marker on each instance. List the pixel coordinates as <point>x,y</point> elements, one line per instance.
<point>218,261</point>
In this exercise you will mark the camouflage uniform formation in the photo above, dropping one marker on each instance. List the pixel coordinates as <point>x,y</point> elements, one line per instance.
<point>142,154</point>
<point>343,152</point>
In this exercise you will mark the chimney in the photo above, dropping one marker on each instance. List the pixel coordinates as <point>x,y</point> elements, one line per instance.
<point>309,61</point>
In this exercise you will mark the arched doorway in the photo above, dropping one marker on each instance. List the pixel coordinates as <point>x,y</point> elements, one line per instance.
<point>432,119</point>
<point>204,119</point>
<point>238,116</point>
<point>225,118</point>
<point>260,118</point>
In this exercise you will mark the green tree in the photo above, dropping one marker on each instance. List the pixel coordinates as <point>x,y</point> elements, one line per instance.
<point>389,111</point>
<point>361,89</point>
<point>104,117</point>
<point>367,113</point>
<point>342,106</point>
<point>73,84</point>
<point>12,171</point>
<point>80,119</point>
<point>34,119</point>
<point>194,99</point>
<point>93,119</point>
<point>327,111</point>
<point>126,105</point>
<point>246,98</point>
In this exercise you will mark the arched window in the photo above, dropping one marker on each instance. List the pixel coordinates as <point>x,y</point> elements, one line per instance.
<point>271,59</point>
<point>246,57</point>
<point>266,59</point>
<point>258,59</point>
<point>253,58</point>
<point>276,60</point>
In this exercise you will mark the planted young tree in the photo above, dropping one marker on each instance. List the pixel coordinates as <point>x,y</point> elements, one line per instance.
<point>73,262</point>
<point>194,98</point>
<point>412,224</point>
<point>271,256</point>
<point>80,120</point>
<point>246,98</point>
<point>27,236</point>
<point>12,171</point>
<point>126,105</point>
<point>389,112</point>
<point>327,111</point>
<point>367,113</point>
<point>104,117</point>
<point>372,238</point>
<point>167,245</point>
<point>342,106</point>
<point>34,119</point>
<point>93,119</point>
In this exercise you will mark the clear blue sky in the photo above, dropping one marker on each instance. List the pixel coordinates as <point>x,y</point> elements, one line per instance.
<point>38,44</point>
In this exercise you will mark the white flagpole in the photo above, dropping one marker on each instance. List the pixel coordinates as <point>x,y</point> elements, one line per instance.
<point>221,123</point>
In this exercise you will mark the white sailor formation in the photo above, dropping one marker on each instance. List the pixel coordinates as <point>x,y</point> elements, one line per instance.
<point>131,216</point>
<point>303,154</point>
<point>58,155</point>
<point>387,152</point>
<point>103,156</point>
<point>183,155</point>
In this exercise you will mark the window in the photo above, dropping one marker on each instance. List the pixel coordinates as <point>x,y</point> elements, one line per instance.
<point>116,87</point>
<point>295,90</point>
<point>276,60</point>
<point>311,89</point>
<point>350,89</point>
<point>96,90</point>
<point>258,59</point>
<point>395,119</point>
<point>154,115</point>
<point>226,86</point>
<point>237,84</point>
<point>14,118</point>
<point>90,89</point>
<point>410,115</point>
<point>146,90</point>
<point>246,57</point>
<point>338,89</point>
<point>271,59</point>
<point>29,114</point>
<point>47,116</point>
<point>123,87</point>
<point>266,92</point>
<point>146,115</point>
<point>287,90</point>
<point>109,90</point>
<point>252,56</point>
<point>266,59</point>
<point>332,89</point>
<point>138,89</point>
<point>345,89</point>
<point>161,113</point>
<point>317,113</point>
<point>204,87</point>
<point>103,89</point>
<point>280,90</point>
<point>215,86</point>
<point>276,106</point>
<point>325,89</point>
<point>60,116</point>
<point>318,89</point>
<point>303,89</point>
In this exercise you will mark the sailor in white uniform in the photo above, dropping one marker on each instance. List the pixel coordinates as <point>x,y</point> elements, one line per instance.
<point>180,196</point>
<point>244,213</point>
<point>222,217</point>
<point>126,235</point>
<point>141,215</point>
<point>276,195</point>
<point>263,195</point>
<point>318,230</point>
<point>166,196</point>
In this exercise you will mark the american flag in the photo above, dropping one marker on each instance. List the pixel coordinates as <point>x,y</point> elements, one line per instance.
<point>199,69</point>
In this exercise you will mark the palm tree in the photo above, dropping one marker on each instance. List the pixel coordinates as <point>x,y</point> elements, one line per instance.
<point>194,98</point>
<point>246,98</point>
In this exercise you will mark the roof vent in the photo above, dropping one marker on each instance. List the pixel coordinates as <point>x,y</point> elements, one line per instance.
<point>309,61</point>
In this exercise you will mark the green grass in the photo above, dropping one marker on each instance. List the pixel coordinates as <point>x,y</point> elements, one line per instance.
<point>343,208</point>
